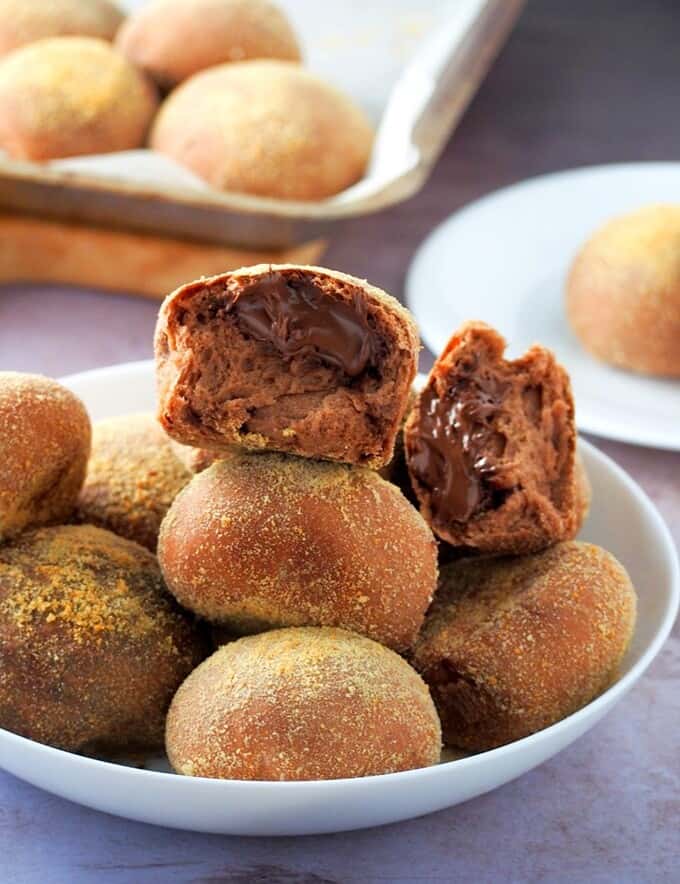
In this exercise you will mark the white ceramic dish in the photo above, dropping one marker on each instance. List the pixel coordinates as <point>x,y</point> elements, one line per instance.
<point>622,519</point>
<point>504,259</point>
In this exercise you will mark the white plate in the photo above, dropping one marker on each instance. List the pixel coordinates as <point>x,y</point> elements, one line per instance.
<point>622,519</point>
<point>504,259</point>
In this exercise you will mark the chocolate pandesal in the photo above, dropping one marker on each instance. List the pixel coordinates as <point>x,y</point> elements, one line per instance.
<point>44,446</point>
<point>92,647</point>
<point>512,645</point>
<point>25,21</point>
<point>264,540</point>
<point>65,96</point>
<point>133,476</point>
<point>267,128</point>
<point>285,357</point>
<point>623,292</point>
<point>302,704</point>
<point>173,39</point>
<point>490,447</point>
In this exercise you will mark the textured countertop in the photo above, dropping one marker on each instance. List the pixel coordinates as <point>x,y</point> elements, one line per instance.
<point>575,85</point>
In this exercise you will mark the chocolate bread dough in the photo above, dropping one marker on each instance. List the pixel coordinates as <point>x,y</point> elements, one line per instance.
<point>490,447</point>
<point>288,358</point>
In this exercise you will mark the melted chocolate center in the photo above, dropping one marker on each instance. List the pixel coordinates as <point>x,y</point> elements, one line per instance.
<point>298,318</point>
<point>453,454</point>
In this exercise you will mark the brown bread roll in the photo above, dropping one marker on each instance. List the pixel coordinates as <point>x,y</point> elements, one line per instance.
<point>92,646</point>
<point>44,446</point>
<point>132,478</point>
<point>623,292</point>
<point>66,96</point>
<point>298,359</point>
<point>260,541</point>
<point>267,128</point>
<point>513,645</point>
<point>25,21</point>
<point>490,447</point>
<point>302,704</point>
<point>173,39</point>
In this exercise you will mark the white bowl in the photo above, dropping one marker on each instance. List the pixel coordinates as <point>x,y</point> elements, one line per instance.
<point>622,519</point>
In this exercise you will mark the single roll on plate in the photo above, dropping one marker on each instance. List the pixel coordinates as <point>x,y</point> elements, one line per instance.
<point>513,645</point>
<point>260,541</point>
<point>66,96</point>
<point>267,128</point>
<point>289,358</point>
<point>623,292</point>
<point>25,21</point>
<point>92,646</point>
<point>302,704</point>
<point>44,446</point>
<point>490,447</point>
<point>173,39</point>
<point>133,476</point>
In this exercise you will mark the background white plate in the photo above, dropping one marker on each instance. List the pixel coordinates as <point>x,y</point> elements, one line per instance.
<point>622,519</point>
<point>504,259</point>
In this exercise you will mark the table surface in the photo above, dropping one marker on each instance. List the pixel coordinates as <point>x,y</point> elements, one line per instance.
<point>578,83</point>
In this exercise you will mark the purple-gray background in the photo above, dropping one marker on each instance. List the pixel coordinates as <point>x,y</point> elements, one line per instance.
<point>578,83</point>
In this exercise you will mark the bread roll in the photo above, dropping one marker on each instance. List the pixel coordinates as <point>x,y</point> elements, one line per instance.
<point>44,446</point>
<point>266,128</point>
<point>513,645</point>
<point>132,478</point>
<point>66,96</point>
<point>25,21</point>
<point>623,292</point>
<point>260,541</point>
<point>92,647</point>
<point>490,446</point>
<point>289,358</point>
<point>173,39</point>
<point>302,704</point>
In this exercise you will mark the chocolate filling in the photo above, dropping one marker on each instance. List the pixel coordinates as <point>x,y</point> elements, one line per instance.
<point>454,451</point>
<point>297,318</point>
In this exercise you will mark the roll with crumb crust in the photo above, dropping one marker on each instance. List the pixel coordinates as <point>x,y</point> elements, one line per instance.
<point>513,645</point>
<point>261,541</point>
<point>302,704</point>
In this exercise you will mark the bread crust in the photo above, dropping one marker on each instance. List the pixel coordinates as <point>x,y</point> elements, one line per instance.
<point>92,648</point>
<point>302,704</point>
<point>266,128</point>
<point>512,645</point>
<point>44,447</point>
<point>623,292</point>
<point>173,39</point>
<point>261,541</point>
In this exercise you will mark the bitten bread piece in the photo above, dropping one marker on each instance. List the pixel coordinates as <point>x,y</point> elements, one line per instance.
<point>290,358</point>
<point>132,478</point>
<point>66,96</point>
<point>266,540</point>
<point>92,647</point>
<point>173,39</point>
<point>490,447</point>
<point>623,292</point>
<point>267,128</point>
<point>44,446</point>
<point>302,704</point>
<point>511,646</point>
<point>25,21</point>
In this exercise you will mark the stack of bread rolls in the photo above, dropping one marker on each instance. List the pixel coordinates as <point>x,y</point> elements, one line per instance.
<point>298,493</point>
